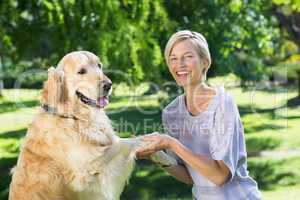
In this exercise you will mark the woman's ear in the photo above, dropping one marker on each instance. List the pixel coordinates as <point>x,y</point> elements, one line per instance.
<point>205,66</point>
<point>54,91</point>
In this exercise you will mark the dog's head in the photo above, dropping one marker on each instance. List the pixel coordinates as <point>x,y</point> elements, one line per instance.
<point>77,81</point>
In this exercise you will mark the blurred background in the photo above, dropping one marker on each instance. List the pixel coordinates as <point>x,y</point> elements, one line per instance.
<point>255,47</point>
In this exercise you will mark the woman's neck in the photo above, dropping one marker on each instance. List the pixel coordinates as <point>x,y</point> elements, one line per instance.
<point>198,97</point>
<point>194,90</point>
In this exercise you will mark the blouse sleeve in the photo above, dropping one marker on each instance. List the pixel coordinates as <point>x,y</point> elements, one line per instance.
<point>227,138</point>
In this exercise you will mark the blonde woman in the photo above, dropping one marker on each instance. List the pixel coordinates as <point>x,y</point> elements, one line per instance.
<point>205,132</point>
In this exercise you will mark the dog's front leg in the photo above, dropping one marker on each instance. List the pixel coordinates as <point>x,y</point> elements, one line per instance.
<point>99,169</point>
<point>111,166</point>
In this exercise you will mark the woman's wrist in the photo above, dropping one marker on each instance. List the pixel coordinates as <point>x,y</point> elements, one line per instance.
<point>172,143</point>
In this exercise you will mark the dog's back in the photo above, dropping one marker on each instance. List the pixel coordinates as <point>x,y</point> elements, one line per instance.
<point>36,178</point>
<point>37,174</point>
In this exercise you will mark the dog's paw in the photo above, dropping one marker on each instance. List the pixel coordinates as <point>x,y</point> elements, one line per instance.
<point>143,144</point>
<point>162,159</point>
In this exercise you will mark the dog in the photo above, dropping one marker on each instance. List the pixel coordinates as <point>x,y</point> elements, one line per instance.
<point>70,151</point>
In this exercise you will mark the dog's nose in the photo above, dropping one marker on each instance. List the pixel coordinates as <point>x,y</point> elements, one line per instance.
<point>107,85</point>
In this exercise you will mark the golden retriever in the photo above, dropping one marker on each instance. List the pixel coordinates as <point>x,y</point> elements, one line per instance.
<point>70,150</point>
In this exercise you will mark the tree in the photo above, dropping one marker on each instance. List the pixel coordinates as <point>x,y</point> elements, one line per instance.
<point>288,15</point>
<point>126,34</point>
<point>129,35</point>
<point>242,36</point>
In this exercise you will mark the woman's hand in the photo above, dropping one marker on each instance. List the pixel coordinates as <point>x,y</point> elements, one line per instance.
<point>157,142</point>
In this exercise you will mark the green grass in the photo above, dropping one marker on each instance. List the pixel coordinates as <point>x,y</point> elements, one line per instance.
<point>272,173</point>
<point>266,117</point>
<point>283,193</point>
<point>278,178</point>
<point>269,125</point>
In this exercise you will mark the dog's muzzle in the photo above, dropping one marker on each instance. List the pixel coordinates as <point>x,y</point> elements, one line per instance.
<point>103,99</point>
<point>106,86</point>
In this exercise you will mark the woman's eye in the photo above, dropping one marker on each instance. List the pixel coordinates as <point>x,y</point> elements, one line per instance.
<point>173,59</point>
<point>82,71</point>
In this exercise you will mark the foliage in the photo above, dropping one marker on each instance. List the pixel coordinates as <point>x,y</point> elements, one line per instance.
<point>126,34</point>
<point>130,35</point>
<point>242,35</point>
<point>245,37</point>
<point>288,70</point>
<point>288,16</point>
<point>293,4</point>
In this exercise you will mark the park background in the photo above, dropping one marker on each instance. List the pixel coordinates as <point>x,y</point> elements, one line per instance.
<point>255,47</point>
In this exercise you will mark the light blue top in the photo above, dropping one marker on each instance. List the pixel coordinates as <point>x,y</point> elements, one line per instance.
<point>216,133</point>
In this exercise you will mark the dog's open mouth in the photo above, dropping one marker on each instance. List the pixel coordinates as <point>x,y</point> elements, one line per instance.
<point>101,102</point>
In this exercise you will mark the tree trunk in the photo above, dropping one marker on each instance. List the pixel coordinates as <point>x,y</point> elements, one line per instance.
<point>1,78</point>
<point>298,73</point>
<point>290,23</point>
<point>1,88</point>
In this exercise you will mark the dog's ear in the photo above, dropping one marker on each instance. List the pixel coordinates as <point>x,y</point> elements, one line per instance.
<point>54,91</point>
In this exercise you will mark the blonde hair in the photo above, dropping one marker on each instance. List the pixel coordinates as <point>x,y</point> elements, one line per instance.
<point>196,38</point>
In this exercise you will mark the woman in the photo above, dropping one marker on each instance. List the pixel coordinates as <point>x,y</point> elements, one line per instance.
<point>205,131</point>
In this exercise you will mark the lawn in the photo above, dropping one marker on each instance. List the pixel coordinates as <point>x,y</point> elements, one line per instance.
<point>269,126</point>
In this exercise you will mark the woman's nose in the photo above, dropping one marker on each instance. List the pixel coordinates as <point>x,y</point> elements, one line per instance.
<point>182,62</point>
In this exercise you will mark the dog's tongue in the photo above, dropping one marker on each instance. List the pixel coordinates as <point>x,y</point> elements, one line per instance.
<point>102,101</point>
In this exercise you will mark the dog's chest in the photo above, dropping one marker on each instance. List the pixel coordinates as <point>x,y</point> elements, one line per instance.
<point>94,133</point>
<point>100,133</point>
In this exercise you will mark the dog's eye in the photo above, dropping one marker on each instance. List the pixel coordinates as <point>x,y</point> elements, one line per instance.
<point>82,71</point>
<point>99,65</point>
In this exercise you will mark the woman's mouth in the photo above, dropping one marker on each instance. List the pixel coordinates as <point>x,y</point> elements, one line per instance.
<point>182,74</point>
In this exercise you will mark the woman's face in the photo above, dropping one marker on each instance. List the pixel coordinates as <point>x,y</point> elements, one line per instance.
<point>184,64</point>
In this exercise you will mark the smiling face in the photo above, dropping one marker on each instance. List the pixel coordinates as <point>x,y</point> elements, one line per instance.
<point>185,64</point>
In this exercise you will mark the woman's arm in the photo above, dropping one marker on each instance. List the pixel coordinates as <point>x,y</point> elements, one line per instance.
<point>214,170</point>
<point>180,173</point>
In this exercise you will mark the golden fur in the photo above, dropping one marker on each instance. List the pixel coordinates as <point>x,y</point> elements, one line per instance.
<point>73,153</point>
